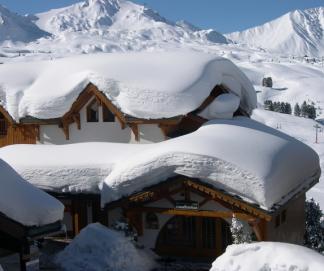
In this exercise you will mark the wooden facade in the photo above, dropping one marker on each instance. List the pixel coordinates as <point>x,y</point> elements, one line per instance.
<point>12,133</point>
<point>192,230</point>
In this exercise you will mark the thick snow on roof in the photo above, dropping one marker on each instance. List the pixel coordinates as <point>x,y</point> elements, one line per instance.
<point>74,168</point>
<point>145,85</point>
<point>268,256</point>
<point>241,156</point>
<point>24,203</point>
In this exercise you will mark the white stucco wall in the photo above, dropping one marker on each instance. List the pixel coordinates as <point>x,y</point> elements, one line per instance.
<point>99,132</point>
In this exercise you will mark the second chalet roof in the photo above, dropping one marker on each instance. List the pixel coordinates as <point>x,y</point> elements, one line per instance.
<point>240,156</point>
<point>22,202</point>
<point>147,85</point>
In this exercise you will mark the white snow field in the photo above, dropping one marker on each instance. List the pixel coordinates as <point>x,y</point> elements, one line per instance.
<point>98,248</point>
<point>298,33</point>
<point>145,85</point>
<point>24,203</point>
<point>268,256</point>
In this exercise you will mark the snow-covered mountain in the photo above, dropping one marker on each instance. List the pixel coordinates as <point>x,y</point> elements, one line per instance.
<point>14,27</point>
<point>116,25</point>
<point>299,33</point>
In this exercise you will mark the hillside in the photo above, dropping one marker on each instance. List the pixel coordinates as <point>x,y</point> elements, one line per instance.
<point>299,33</point>
<point>14,27</point>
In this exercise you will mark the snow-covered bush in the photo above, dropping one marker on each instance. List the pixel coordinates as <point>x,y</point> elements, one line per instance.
<point>121,225</point>
<point>98,248</point>
<point>239,234</point>
<point>314,234</point>
<point>268,256</point>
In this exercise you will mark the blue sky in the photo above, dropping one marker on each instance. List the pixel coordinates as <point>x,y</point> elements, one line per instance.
<point>222,15</point>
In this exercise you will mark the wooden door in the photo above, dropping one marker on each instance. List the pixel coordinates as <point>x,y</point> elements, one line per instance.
<point>201,237</point>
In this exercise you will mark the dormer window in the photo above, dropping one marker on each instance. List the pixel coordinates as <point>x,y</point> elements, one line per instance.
<point>3,125</point>
<point>107,115</point>
<point>93,111</point>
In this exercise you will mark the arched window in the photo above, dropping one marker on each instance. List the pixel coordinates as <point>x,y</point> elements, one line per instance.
<point>93,111</point>
<point>3,125</point>
<point>152,221</point>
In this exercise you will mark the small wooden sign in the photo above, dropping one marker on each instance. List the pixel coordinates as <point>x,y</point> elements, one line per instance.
<point>187,205</point>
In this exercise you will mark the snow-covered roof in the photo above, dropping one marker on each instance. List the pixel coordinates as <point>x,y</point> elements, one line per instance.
<point>24,203</point>
<point>74,168</point>
<point>145,85</point>
<point>239,155</point>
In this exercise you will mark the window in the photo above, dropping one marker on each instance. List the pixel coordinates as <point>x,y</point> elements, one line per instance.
<point>107,115</point>
<point>152,221</point>
<point>93,112</point>
<point>3,125</point>
<point>277,223</point>
<point>283,216</point>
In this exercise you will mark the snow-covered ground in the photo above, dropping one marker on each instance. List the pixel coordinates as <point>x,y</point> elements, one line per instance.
<point>268,256</point>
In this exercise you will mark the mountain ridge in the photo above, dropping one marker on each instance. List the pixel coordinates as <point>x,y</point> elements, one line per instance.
<point>299,32</point>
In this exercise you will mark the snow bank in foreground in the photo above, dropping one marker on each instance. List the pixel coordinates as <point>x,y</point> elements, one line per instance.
<point>144,85</point>
<point>25,203</point>
<point>268,256</point>
<point>239,155</point>
<point>98,248</point>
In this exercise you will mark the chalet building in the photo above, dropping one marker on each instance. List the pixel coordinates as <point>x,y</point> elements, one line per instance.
<point>163,105</point>
<point>209,160</point>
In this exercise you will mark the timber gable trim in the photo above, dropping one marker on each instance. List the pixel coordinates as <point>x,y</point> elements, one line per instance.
<point>174,185</point>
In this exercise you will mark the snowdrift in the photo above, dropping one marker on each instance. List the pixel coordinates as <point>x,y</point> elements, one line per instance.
<point>144,85</point>
<point>98,248</point>
<point>24,203</point>
<point>268,256</point>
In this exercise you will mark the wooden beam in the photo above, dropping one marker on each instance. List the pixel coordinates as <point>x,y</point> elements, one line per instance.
<point>76,119</point>
<point>195,213</point>
<point>230,199</point>
<point>66,130</point>
<point>134,128</point>
<point>7,116</point>
<point>259,228</point>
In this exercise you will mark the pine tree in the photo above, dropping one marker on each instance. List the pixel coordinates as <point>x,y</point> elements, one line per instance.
<point>297,110</point>
<point>288,108</point>
<point>239,235</point>
<point>314,234</point>
<point>304,109</point>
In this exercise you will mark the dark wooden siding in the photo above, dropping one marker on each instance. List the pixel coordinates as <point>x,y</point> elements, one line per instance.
<point>19,134</point>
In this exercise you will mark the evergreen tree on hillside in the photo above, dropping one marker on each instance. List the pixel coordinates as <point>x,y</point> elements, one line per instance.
<point>314,234</point>
<point>297,110</point>
<point>304,109</point>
